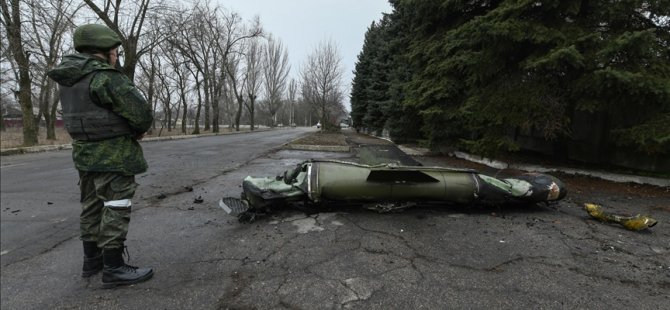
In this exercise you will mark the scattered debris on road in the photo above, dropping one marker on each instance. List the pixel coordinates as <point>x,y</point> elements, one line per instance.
<point>635,223</point>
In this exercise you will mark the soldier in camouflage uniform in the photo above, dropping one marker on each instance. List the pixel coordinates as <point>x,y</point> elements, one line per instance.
<point>106,116</point>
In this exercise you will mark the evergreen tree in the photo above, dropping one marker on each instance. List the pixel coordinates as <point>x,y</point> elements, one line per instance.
<point>377,91</point>
<point>403,121</point>
<point>361,82</point>
<point>370,90</point>
<point>472,74</point>
<point>381,74</point>
<point>485,67</point>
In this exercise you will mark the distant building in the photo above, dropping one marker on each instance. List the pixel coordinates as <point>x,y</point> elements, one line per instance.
<point>13,118</point>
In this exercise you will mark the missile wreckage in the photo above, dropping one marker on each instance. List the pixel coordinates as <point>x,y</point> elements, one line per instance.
<point>385,187</point>
<point>634,223</point>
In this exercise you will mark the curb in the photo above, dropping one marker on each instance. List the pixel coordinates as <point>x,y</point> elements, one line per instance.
<point>322,148</point>
<point>614,177</point>
<point>58,147</point>
<point>35,149</point>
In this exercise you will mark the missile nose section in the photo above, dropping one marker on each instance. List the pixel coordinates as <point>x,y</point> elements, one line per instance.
<point>557,186</point>
<point>544,187</point>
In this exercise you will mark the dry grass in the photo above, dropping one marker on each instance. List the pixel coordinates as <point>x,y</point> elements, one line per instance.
<point>322,138</point>
<point>13,137</point>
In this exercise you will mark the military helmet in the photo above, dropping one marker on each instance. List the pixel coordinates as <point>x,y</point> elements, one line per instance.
<point>95,36</point>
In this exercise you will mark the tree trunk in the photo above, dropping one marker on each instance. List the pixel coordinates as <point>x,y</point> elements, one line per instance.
<point>25,99</point>
<point>51,130</point>
<point>216,95</point>
<point>49,102</point>
<point>251,108</point>
<point>183,116</point>
<point>238,115</point>
<point>168,117</point>
<point>150,93</point>
<point>207,103</point>
<point>176,117</point>
<point>196,129</point>
<point>13,27</point>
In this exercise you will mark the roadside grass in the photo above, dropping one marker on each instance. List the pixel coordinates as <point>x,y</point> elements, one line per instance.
<point>322,138</point>
<point>13,137</point>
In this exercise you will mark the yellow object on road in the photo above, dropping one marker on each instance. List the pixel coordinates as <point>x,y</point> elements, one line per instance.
<point>635,223</point>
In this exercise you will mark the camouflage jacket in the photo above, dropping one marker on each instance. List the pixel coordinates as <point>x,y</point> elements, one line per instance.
<point>113,90</point>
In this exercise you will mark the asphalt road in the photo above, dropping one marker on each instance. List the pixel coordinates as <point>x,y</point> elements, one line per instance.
<point>450,257</point>
<point>40,193</point>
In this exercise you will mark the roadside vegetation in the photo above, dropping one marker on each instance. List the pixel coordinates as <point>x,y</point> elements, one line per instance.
<point>585,81</point>
<point>580,80</point>
<point>199,65</point>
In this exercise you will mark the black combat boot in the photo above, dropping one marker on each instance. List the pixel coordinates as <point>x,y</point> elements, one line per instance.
<point>92,259</point>
<point>117,272</point>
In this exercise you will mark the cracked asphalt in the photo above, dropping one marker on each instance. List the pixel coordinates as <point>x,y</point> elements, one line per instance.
<point>430,257</point>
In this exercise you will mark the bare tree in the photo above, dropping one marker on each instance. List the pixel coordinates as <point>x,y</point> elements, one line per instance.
<point>130,31</point>
<point>11,20</point>
<point>8,77</point>
<point>292,91</point>
<point>193,39</point>
<point>275,72</point>
<point>321,82</point>
<point>253,77</point>
<point>179,76</point>
<point>50,21</point>
<point>235,34</point>
<point>152,79</point>
<point>237,84</point>
<point>305,114</point>
<point>206,38</point>
<point>226,100</point>
<point>7,98</point>
<point>148,80</point>
<point>198,91</point>
<point>164,93</point>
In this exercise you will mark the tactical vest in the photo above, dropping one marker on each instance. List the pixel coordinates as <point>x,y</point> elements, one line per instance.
<point>84,119</point>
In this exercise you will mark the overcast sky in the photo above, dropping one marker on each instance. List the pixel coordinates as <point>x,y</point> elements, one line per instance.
<point>302,24</point>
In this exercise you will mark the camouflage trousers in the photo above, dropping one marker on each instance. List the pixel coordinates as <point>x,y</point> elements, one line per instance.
<point>105,202</point>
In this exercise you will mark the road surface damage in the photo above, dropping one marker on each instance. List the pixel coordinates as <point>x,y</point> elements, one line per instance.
<point>385,188</point>
<point>389,187</point>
